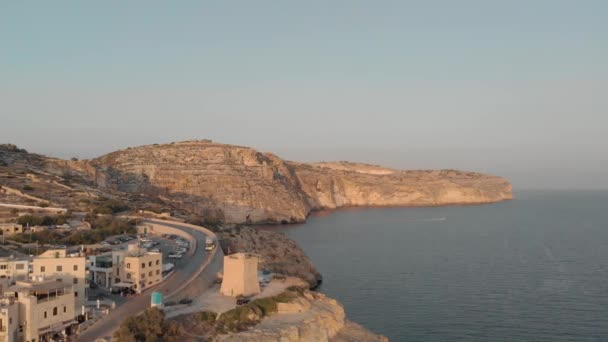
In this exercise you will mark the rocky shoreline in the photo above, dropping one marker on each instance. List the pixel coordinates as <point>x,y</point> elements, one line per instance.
<point>325,319</point>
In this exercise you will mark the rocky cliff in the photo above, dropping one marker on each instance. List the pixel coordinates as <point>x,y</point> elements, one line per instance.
<point>313,317</point>
<point>241,185</point>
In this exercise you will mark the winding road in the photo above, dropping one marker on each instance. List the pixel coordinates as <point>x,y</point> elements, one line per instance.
<point>193,275</point>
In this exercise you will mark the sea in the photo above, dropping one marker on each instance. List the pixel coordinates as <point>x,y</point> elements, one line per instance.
<point>531,269</point>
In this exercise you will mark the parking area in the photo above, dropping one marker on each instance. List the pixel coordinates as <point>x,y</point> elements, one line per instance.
<point>173,248</point>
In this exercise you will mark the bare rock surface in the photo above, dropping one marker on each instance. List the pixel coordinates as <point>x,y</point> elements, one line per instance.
<point>314,317</point>
<point>238,184</point>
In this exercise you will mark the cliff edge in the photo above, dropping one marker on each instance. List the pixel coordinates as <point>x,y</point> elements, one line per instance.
<point>238,184</point>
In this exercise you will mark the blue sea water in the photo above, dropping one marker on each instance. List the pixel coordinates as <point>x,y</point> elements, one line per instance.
<point>531,269</point>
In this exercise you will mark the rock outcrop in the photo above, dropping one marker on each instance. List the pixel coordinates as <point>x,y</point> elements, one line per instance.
<point>314,317</point>
<point>237,184</point>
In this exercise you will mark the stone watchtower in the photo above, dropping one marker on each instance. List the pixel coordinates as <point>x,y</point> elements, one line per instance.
<point>240,275</point>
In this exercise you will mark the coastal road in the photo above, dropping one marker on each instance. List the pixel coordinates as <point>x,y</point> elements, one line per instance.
<point>189,279</point>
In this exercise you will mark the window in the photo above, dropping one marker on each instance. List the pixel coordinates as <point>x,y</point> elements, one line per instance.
<point>75,293</point>
<point>3,267</point>
<point>128,275</point>
<point>75,280</point>
<point>55,311</point>
<point>143,265</point>
<point>150,274</point>
<point>59,268</point>
<point>157,271</point>
<point>65,309</point>
<point>150,264</point>
<point>157,261</point>
<point>45,314</point>
<point>42,269</point>
<point>128,265</point>
<point>75,267</point>
<point>20,266</point>
<point>143,275</point>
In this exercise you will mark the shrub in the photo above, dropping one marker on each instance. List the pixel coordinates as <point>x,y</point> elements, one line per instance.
<point>207,316</point>
<point>27,187</point>
<point>102,228</point>
<point>109,207</point>
<point>149,326</point>
<point>266,305</point>
<point>43,204</point>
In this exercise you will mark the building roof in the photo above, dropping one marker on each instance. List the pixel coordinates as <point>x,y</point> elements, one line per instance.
<point>39,286</point>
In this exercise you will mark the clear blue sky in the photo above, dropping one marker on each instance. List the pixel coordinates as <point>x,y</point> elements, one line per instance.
<point>516,88</point>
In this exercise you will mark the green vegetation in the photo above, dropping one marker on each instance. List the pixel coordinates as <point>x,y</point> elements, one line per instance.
<point>27,187</point>
<point>150,326</point>
<point>109,207</point>
<point>102,228</point>
<point>207,316</point>
<point>245,316</point>
<point>46,220</point>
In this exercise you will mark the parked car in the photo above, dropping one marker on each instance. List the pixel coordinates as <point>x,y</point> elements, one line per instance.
<point>243,300</point>
<point>175,256</point>
<point>185,301</point>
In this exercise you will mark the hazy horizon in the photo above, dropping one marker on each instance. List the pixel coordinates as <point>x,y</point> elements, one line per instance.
<point>513,88</point>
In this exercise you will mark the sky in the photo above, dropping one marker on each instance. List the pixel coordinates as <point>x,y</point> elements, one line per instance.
<point>515,88</point>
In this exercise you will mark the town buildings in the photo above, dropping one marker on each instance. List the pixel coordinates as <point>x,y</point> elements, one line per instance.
<point>70,269</point>
<point>8,229</point>
<point>134,268</point>
<point>44,308</point>
<point>12,269</point>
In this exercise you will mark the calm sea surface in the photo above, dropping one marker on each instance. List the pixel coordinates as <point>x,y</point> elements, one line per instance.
<point>531,269</point>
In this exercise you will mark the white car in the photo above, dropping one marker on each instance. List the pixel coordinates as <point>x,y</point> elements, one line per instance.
<point>175,256</point>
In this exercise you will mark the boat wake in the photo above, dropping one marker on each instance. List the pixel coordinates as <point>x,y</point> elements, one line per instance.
<point>432,219</point>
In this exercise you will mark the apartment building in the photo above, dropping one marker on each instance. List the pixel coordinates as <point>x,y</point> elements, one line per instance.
<point>141,268</point>
<point>69,269</point>
<point>136,268</point>
<point>45,308</point>
<point>9,314</point>
<point>12,268</point>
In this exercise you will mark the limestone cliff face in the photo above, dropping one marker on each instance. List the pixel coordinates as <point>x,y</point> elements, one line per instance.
<point>240,185</point>
<point>235,184</point>
<point>346,184</point>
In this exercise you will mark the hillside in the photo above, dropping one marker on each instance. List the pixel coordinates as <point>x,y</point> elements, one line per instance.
<point>238,184</point>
